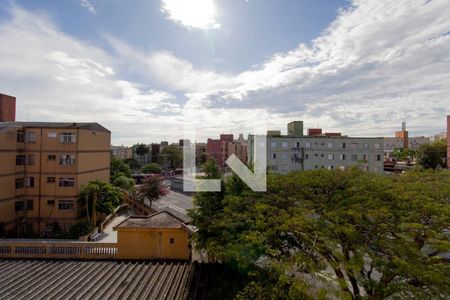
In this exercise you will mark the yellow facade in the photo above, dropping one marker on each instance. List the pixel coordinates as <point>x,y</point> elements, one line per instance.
<point>42,169</point>
<point>140,238</point>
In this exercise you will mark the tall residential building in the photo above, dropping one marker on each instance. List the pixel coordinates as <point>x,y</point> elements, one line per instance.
<point>43,167</point>
<point>287,153</point>
<point>7,108</point>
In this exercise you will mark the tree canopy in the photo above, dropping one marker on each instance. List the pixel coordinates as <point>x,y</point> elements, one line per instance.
<point>172,156</point>
<point>119,168</point>
<point>107,197</point>
<point>348,234</point>
<point>152,168</point>
<point>432,156</point>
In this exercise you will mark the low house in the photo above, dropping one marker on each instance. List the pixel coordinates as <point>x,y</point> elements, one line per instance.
<point>158,236</point>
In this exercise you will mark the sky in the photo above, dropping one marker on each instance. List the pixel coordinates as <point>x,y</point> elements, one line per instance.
<point>145,69</point>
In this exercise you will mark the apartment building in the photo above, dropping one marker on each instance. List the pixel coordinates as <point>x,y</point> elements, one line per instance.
<point>122,152</point>
<point>222,148</point>
<point>403,141</point>
<point>43,166</point>
<point>295,152</point>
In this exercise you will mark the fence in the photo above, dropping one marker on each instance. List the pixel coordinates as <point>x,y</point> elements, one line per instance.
<point>57,249</point>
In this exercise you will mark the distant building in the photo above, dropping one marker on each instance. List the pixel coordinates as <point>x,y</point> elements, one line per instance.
<point>141,159</point>
<point>403,141</point>
<point>287,153</point>
<point>7,108</point>
<point>222,148</point>
<point>122,152</point>
<point>200,153</point>
<point>43,167</point>
<point>155,151</point>
<point>439,136</point>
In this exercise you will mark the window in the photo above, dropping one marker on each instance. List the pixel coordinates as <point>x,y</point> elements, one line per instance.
<point>52,135</point>
<point>366,145</point>
<point>51,180</point>
<point>307,145</point>
<point>322,144</point>
<point>20,160</point>
<point>378,157</point>
<point>330,167</point>
<point>67,160</point>
<point>284,144</point>
<point>29,204</point>
<point>66,182</point>
<point>316,167</point>
<point>365,157</point>
<point>376,146</point>
<point>29,182</point>
<point>19,183</point>
<point>21,136</point>
<point>23,205</point>
<point>65,204</point>
<point>354,146</point>
<point>274,156</point>
<point>51,157</point>
<point>316,155</point>
<point>298,144</point>
<point>342,157</point>
<point>68,138</point>
<point>19,206</point>
<point>354,157</point>
<point>51,202</point>
<point>30,137</point>
<point>330,145</point>
<point>172,240</point>
<point>343,145</point>
<point>284,156</point>
<point>306,156</point>
<point>322,155</point>
<point>330,156</point>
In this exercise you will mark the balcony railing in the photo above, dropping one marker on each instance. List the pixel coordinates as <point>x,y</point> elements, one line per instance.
<point>57,249</point>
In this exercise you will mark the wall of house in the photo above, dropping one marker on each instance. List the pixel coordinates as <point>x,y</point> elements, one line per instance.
<point>136,243</point>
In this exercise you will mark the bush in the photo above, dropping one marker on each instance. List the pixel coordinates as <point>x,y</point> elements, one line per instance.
<point>79,229</point>
<point>125,183</point>
<point>152,168</point>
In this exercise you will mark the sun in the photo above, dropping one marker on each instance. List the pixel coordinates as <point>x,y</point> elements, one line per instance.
<point>191,13</point>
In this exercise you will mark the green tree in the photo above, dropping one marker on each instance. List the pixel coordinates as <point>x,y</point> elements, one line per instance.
<point>208,211</point>
<point>432,156</point>
<point>172,156</point>
<point>379,237</point>
<point>125,183</point>
<point>119,167</point>
<point>151,168</point>
<point>79,229</point>
<point>404,154</point>
<point>106,196</point>
<point>132,163</point>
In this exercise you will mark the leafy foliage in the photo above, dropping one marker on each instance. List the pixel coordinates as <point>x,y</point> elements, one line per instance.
<point>119,168</point>
<point>152,168</point>
<point>78,229</point>
<point>404,154</point>
<point>154,187</point>
<point>346,234</point>
<point>432,156</point>
<point>125,183</point>
<point>107,197</point>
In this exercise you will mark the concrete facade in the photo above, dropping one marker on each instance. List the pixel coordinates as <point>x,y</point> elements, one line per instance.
<point>221,149</point>
<point>288,153</point>
<point>122,152</point>
<point>43,167</point>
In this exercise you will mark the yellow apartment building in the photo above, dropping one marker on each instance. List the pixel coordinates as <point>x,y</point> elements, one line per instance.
<point>42,169</point>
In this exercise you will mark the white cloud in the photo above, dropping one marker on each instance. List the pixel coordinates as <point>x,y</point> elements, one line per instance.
<point>64,79</point>
<point>199,14</point>
<point>88,5</point>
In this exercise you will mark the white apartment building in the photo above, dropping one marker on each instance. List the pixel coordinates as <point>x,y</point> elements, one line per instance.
<point>296,152</point>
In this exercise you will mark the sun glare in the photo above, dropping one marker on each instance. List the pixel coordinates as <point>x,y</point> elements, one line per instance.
<point>191,13</point>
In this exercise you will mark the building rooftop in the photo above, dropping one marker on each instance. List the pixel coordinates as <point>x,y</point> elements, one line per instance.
<point>58,125</point>
<point>162,219</point>
<point>76,279</point>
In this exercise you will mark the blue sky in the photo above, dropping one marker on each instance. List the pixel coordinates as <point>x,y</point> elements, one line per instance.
<point>142,68</point>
